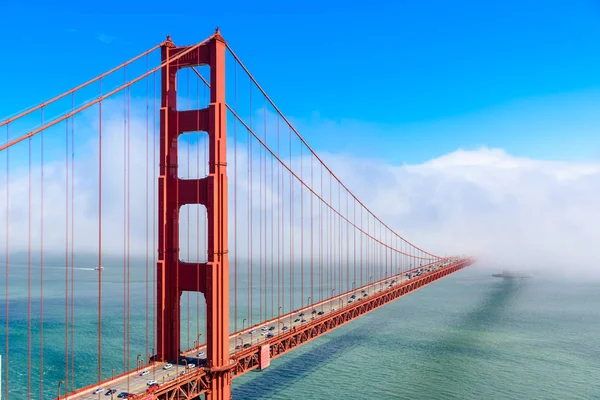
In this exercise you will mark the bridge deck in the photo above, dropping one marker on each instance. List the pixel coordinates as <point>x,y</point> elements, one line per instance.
<point>336,311</point>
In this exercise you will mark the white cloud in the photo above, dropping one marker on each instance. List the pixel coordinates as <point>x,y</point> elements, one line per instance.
<point>510,211</point>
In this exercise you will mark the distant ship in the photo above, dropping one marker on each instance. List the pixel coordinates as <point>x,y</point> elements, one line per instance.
<point>98,268</point>
<point>510,275</point>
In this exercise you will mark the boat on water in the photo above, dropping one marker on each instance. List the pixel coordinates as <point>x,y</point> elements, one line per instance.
<point>510,275</point>
<point>98,268</point>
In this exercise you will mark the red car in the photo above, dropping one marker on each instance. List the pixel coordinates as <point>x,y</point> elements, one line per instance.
<point>152,388</point>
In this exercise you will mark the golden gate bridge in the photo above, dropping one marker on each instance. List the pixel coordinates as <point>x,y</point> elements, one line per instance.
<point>225,219</point>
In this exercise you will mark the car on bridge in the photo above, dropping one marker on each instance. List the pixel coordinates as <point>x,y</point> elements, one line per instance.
<point>152,388</point>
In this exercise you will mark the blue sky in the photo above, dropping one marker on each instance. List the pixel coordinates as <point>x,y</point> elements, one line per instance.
<point>403,82</point>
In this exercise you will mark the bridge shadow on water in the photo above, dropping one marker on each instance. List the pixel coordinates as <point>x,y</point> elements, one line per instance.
<point>450,360</point>
<point>442,357</point>
<point>276,378</point>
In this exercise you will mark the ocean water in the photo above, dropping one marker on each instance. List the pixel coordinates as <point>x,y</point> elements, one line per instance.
<point>468,336</point>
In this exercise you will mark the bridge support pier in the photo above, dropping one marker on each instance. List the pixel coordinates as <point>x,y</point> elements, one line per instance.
<point>173,275</point>
<point>264,356</point>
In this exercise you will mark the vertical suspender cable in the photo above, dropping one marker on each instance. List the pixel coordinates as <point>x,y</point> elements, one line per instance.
<point>154,217</point>
<point>272,239</point>
<point>265,208</point>
<point>235,211</point>
<point>354,239</point>
<point>67,254</point>
<point>99,239</point>
<point>301,233</point>
<point>291,229</point>
<point>7,251</point>
<point>41,267</point>
<point>125,367</point>
<point>29,283</point>
<point>128,194</point>
<point>72,380</point>
<point>312,217</point>
<point>321,283</point>
<point>147,203</point>
<point>250,215</point>
<point>339,251</point>
<point>279,221</point>
<point>260,233</point>
<point>348,287</point>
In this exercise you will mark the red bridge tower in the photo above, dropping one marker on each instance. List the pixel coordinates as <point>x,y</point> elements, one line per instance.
<point>175,276</point>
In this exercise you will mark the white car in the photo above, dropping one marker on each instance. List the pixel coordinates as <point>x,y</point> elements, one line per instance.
<point>201,354</point>
<point>150,382</point>
<point>144,373</point>
<point>168,366</point>
<point>99,390</point>
<point>190,366</point>
<point>253,331</point>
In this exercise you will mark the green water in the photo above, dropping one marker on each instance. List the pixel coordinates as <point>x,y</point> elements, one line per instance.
<point>468,336</point>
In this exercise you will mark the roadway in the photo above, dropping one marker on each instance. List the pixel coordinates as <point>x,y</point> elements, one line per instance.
<point>137,384</point>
